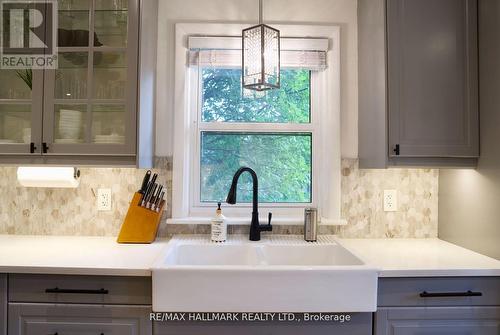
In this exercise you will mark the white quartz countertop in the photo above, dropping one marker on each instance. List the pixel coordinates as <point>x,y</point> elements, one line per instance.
<point>421,258</point>
<point>76,255</point>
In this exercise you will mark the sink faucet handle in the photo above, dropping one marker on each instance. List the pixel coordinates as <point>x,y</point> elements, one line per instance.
<point>267,227</point>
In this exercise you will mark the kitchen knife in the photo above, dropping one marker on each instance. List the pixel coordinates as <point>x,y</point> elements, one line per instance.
<point>156,196</point>
<point>151,195</point>
<point>159,201</point>
<point>153,180</point>
<point>145,182</point>
<point>146,195</point>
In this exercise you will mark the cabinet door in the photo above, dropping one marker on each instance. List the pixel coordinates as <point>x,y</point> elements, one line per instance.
<point>90,100</point>
<point>438,321</point>
<point>21,93</point>
<point>3,304</point>
<point>432,78</point>
<point>44,319</point>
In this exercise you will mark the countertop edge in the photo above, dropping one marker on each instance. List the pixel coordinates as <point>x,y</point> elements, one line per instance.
<point>439,273</point>
<point>75,271</point>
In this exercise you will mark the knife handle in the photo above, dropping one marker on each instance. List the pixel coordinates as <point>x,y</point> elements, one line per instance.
<point>145,182</point>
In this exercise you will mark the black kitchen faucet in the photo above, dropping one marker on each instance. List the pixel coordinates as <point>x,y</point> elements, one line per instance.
<point>255,226</point>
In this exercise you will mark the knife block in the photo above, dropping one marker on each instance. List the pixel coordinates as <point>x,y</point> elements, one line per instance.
<point>140,224</point>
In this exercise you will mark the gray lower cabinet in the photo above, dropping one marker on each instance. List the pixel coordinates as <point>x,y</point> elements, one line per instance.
<point>438,306</point>
<point>418,75</point>
<point>3,304</point>
<point>48,319</point>
<point>438,321</point>
<point>70,305</point>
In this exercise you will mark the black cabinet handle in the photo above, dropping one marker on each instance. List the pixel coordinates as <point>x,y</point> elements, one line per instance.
<point>76,291</point>
<point>469,293</point>
<point>45,147</point>
<point>396,149</point>
<point>32,147</point>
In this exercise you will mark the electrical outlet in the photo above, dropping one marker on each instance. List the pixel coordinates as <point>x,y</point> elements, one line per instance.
<point>390,200</point>
<point>104,199</point>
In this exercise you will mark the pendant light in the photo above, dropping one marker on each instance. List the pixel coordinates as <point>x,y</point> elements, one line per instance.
<point>261,56</point>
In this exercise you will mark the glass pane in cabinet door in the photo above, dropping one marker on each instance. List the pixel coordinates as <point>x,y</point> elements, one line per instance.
<point>73,25</point>
<point>108,124</point>
<point>69,123</point>
<point>73,4</point>
<point>71,76</point>
<point>111,4</point>
<point>15,84</point>
<point>110,75</point>
<point>110,23</point>
<point>15,123</point>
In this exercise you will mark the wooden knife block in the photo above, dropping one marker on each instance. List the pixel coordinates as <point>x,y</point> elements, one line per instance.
<point>141,224</point>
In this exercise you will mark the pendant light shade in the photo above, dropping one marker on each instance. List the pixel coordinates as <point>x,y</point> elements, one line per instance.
<point>261,56</point>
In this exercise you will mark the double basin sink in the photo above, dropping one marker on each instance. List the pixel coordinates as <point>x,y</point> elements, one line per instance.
<point>276,274</point>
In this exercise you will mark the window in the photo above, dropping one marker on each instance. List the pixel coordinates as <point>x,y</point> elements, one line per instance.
<point>281,134</point>
<point>282,160</point>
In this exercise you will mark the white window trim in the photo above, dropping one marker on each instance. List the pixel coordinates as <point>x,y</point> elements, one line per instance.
<point>326,174</point>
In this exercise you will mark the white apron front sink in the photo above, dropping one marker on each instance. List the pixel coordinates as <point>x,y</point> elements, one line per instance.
<point>276,274</point>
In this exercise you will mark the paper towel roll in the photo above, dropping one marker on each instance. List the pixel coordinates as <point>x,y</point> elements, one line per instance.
<point>52,177</point>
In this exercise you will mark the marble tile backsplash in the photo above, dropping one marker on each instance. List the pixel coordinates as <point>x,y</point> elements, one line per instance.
<point>73,212</point>
<point>362,202</point>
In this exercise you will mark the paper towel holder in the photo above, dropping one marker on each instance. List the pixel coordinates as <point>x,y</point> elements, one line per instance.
<point>48,177</point>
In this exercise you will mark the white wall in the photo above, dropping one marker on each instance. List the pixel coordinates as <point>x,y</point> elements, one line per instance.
<point>335,12</point>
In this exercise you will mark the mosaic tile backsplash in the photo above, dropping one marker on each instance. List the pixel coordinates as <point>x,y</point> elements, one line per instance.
<point>73,212</point>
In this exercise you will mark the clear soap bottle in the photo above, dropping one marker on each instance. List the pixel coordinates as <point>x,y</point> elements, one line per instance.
<point>218,226</point>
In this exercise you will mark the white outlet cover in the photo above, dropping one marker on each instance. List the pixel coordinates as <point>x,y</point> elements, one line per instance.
<point>390,200</point>
<point>104,199</point>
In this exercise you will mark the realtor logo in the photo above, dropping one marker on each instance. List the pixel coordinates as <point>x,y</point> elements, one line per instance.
<point>28,31</point>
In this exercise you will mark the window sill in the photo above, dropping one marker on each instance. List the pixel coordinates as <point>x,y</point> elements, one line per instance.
<point>297,221</point>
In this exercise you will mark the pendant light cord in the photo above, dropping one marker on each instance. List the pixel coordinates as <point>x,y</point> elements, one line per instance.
<point>260,12</point>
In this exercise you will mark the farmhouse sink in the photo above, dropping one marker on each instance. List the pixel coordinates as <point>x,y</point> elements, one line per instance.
<point>276,274</point>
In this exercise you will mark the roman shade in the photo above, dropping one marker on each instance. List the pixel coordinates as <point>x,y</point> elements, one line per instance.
<point>226,52</point>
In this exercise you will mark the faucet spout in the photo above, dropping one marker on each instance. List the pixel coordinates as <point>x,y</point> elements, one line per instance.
<point>255,227</point>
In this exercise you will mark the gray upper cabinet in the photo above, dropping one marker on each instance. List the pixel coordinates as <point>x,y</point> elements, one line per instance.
<point>88,110</point>
<point>418,92</point>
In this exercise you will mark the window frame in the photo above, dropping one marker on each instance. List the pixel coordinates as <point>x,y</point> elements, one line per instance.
<point>187,207</point>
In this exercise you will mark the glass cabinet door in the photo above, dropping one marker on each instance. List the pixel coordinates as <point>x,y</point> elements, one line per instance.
<point>90,100</point>
<point>20,111</point>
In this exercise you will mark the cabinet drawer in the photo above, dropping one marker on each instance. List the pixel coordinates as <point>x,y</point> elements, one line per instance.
<point>439,291</point>
<point>48,319</point>
<point>80,289</point>
<point>457,320</point>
